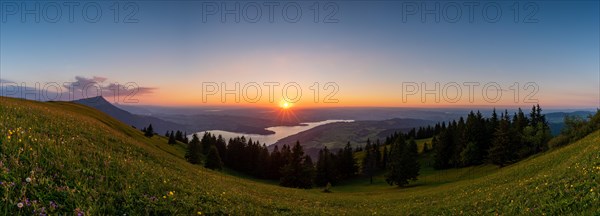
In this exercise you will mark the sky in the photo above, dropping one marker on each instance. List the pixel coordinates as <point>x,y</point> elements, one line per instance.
<point>338,53</point>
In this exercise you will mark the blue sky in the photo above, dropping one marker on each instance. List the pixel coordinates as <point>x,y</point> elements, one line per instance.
<point>369,52</point>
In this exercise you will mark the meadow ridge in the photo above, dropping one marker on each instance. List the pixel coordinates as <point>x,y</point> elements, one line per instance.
<point>66,158</point>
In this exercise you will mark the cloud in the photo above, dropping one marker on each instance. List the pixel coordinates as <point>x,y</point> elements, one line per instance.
<point>97,86</point>
<point>81,87</point>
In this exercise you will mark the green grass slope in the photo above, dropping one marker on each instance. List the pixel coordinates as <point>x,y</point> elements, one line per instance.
<point>66,158</point>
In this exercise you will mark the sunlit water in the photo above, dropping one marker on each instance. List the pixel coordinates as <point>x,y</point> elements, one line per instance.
<point>280,132</point>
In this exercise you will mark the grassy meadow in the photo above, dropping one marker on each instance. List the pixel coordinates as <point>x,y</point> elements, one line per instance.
<point>64,158</point>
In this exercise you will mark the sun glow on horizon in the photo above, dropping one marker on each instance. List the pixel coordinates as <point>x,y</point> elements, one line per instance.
<point>283,104</point>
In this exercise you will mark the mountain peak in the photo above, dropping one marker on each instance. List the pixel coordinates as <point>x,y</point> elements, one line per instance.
<point>92,100</point>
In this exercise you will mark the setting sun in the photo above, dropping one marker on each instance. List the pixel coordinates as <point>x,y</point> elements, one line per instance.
<point>285,105</point>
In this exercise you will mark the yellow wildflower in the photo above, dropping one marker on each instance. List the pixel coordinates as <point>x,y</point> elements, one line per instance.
<point>199,213</point>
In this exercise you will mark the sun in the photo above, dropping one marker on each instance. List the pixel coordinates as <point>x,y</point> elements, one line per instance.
<point>285,105</point>
<point>286,112</point>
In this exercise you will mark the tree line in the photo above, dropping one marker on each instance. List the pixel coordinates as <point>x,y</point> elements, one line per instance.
<point>499,140</point>
<point>175,136</point>
<point>290,165</point>
<point>399,161</point>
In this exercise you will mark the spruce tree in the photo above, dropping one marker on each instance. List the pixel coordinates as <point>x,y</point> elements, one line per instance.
<point>149,132</point>
<point>221,147</point>
<point>275,164</point>
<point>213,160</point>
<point>308,173</point>
<point>403,165</point>
<point>443,150</point>
<point>347,162</point>
<point>377,154</point>
<point>295,172</point>
<point>194,150</point>
<point>206,142</point>
<point>500,151</point>
<point>172,139</point>
<point>326,172</point>
<point>369,163</point>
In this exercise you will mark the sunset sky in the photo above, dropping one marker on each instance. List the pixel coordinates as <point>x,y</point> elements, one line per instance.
<point>368,53</point>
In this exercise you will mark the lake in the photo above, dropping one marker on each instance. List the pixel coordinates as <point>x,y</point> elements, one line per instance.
<point>280,132</point>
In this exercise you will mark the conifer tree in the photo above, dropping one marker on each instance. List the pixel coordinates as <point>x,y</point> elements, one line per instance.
<point>275,164</point>
<point>369,163</point>
<point>403,166</point>
<point>347,162</point>
<point>149,132</point>
<point>296,172</point>
<point>308,173</point>
<point>326,172</point>
<point>172,139</point>
<point>213,160</point>
<point>221,147</point>
<point>194,150</point>
<point>443,150</point>
<point>500,151</point>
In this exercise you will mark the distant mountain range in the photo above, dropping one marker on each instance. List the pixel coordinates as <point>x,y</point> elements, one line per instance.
<point>139,121</point>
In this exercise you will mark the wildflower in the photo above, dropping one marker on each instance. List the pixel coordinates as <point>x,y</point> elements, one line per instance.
<point>20,205</point>
<point>171,193</point>
<point>28,180</point>
<point>199,213</point>
<point>591,189</point>
<point>53,205</point>
<point>164,197</point>
<point>8,136</point>
<point>79,212</point>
